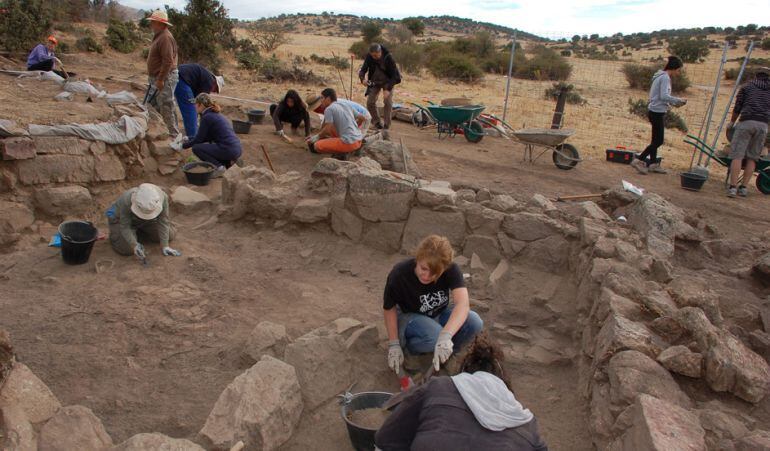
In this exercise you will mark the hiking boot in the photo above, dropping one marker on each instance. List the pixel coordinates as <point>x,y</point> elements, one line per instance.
<point>639,165</point>
<point>732,191</point>
<point>218,172</point>
<point>743,191</point>
<point>655,167</point>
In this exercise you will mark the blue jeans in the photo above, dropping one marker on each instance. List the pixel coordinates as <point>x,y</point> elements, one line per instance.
<point>215,154</point>
<point>184,94</point>
<point>419,333</point>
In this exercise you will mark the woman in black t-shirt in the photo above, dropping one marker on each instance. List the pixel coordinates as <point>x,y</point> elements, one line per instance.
<point>416,306</point>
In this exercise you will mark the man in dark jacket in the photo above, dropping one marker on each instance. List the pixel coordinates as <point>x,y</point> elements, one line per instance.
<point>380,74</point>
<point>194,79</point>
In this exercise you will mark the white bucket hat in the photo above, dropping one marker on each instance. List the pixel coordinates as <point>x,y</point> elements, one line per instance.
<point>147,201</point>
<point>220,83</point>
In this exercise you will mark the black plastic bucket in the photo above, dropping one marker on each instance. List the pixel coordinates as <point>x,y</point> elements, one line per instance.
<point>362,438</point>
<point>198,178</point>
<point>241,127</point>
<point>692,181</point>
<point>256,116</point>
<point>77,240</point>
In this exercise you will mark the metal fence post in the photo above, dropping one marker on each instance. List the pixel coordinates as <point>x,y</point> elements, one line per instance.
<point>510,73</point>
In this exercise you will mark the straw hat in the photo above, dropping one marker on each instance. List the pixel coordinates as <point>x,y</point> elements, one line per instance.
<point>313,101</point>
<point>147,201</point>
<point>160,16</point>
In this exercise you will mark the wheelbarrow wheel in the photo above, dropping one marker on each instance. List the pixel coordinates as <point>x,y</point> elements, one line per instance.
<point>474,132</point>
<point>763,181</point>
<point>566,156</point>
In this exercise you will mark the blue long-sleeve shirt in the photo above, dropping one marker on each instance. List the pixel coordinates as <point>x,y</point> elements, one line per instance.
<point>39,54</point>
<point>215,128</point>
<point>198,78</point>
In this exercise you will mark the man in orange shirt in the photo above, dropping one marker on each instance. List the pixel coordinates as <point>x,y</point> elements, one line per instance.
<point>162,70</point>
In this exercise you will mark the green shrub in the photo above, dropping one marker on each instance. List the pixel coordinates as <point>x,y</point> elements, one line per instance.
<point>573,96</point>
<point>748,74</point>
<point>455,66</point>
<point>410,57</point>
<point>689,50</point>
<point>415,25</point>
<point>639,76</point>
<point>545,64</point>
<point>123,36</point>
<point>566,53</point>
<point>497,63</point>
<point>88,44</point>
<point>371,31</point>
<point>334,61</point>
<point>63,47</point>
<point>249,59</point>
<point>23,23</point>
<point>671,120</point>
<point>765,44</point>
<point>359,49</point>
<point>203,30</point>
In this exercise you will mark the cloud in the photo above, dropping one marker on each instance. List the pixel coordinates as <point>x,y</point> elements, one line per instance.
<point>550,18</point>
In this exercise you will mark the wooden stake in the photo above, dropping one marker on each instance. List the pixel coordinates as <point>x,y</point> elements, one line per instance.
<point>580,197</point>
<point>267,157</point>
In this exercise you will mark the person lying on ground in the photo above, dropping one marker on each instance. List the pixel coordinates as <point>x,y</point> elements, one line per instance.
<point>752,112</point>
<point>162,71</point>
<point>475,409</point>
<point>215,141</point>
<point>339,133</point>
<point>661,101</point>
<point>141,215</point>
<point>361,114</point>
<point>42,57</point>
<point>194,79</point>
<point>379,73</point>
<point>417,310</point>
<point>291,110</point>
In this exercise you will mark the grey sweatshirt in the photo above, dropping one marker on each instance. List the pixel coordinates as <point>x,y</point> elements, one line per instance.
<point>660,93</point>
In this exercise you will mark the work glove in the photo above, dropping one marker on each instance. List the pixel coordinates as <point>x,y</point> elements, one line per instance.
<point>139,251</point>
<point>313,139</point>
<point>168,252</point>
<point>443,350</point>
<point>395,355</point>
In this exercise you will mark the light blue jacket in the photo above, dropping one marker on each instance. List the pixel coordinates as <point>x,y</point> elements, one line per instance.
<point>660,93</point>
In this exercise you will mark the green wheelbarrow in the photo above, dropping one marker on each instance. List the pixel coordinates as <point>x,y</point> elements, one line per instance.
<point>762,169</point>
<point>454,120</point>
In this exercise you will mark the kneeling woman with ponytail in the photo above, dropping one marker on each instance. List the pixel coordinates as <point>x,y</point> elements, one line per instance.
<point>475,409</point>
<point>215,141</point>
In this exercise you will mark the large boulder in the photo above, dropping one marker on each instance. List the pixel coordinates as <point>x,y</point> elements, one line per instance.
<point>16,432</point>
<point>549,254</point>
<point>688,291</point>
<point>187,200</point>
<point>482,220</point>
<point>423,222</point>
<point>261,407</point>
<point>310,211</point>
<point>658,425</point>
<point>323,367</point>
<point>435,193</point>
<point>391,156</point>
<point>761,269</point>
<point>486,247</point>
<point>74,427</point>
<point>344,222</point>
<point>632,373</point>
<point>529,226</point>
<point>380,195</point>
<point>17,148</point>
<point>758,440</point>
<point>266,339</point>
<point>70,200</point>
<point>15,218</point>
<point>24,390</point>
<point>620,334</point>
<point>679,359</point>
<point>383,236</point>
<point>660,223</point>
<point>156,441</point>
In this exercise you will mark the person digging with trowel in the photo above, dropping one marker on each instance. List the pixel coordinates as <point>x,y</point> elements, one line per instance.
<point>141,214</point>
<point>42,57</point>
<point>291,110</point>
<point>417,311</point>
<point>339,133</point>
<point>162,71</point>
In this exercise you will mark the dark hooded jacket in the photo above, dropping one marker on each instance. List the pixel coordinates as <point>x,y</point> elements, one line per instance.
<point>753,101</point>
<point>387,64</point>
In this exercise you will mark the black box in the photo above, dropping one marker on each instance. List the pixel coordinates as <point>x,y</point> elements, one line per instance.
<point>620,156</point>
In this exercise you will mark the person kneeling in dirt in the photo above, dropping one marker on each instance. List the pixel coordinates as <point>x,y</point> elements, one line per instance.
<point>291,110</point>
<point>339,133</point>
<point>194,79</point>
<point>215,141</point>
<point>416,305</point>
<point>360,113</point>
<point>475,409</point>
<point>141,214</point>
<point>43,58</point>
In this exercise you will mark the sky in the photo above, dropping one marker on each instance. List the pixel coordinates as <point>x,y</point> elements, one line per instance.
<point>548,18</point>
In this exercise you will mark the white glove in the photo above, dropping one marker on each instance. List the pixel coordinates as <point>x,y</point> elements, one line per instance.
<point>314,139</point>
<point>139,251</point>
<point>443,350</point>
<point>395,355</point>
<point>168,252</point>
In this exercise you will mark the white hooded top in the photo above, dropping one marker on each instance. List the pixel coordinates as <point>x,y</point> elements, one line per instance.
<point>493,405</point>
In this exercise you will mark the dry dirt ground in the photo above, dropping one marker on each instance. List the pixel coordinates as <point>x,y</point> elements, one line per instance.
<point>152,348</point>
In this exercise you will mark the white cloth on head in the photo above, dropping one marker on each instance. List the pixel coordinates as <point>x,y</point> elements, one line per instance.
<point>493,405</point>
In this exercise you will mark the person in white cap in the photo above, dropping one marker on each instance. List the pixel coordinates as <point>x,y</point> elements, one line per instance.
<point>194,79</point>
<point>141,214</point>
<point>162,70</point>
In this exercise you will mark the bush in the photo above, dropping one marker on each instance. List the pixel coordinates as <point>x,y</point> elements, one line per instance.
<point>690,50</point>
<point>206,29</point>
<point>748,74</point>
<point>410,57</point>
<point>123,36</point>
<point>545,64</point>
<point>399,34</point>
<point>88,44</point>
<point>371,31</point>
<point>415,25</point>
<point>359,49</point>
<point>23,24</point>
<point>672,119</point>
<point>63,47</point>
<point>639,76</point>
<point>497,63</point>
<point>765,44</point>
<point>268,36</point>
<point>334,61</point>
<point>455,66</point>
<point>566,53</point>
<point>573,97</point>
<point>250,60</point>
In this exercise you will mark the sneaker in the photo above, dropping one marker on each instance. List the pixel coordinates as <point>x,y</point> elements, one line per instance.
<point>743,191</point>
<point>655,167</point>
<point>639,165</point>
<point>732,191</point>
<point>218,172</point>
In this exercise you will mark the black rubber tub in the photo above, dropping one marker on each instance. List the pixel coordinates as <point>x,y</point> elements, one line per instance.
<point>362,438</point>
<point>241,127</point>
<point>77,241</point>
<point>256,116</point>
<point>198,172</point>
<point>692,181</point>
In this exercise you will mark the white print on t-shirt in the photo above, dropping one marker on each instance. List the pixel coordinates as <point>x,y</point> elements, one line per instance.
<point>431,301</point>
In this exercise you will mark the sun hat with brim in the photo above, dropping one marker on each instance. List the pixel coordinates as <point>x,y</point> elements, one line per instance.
<point>160,16</point>
<point>313,102</point>
<point>147,201</point>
